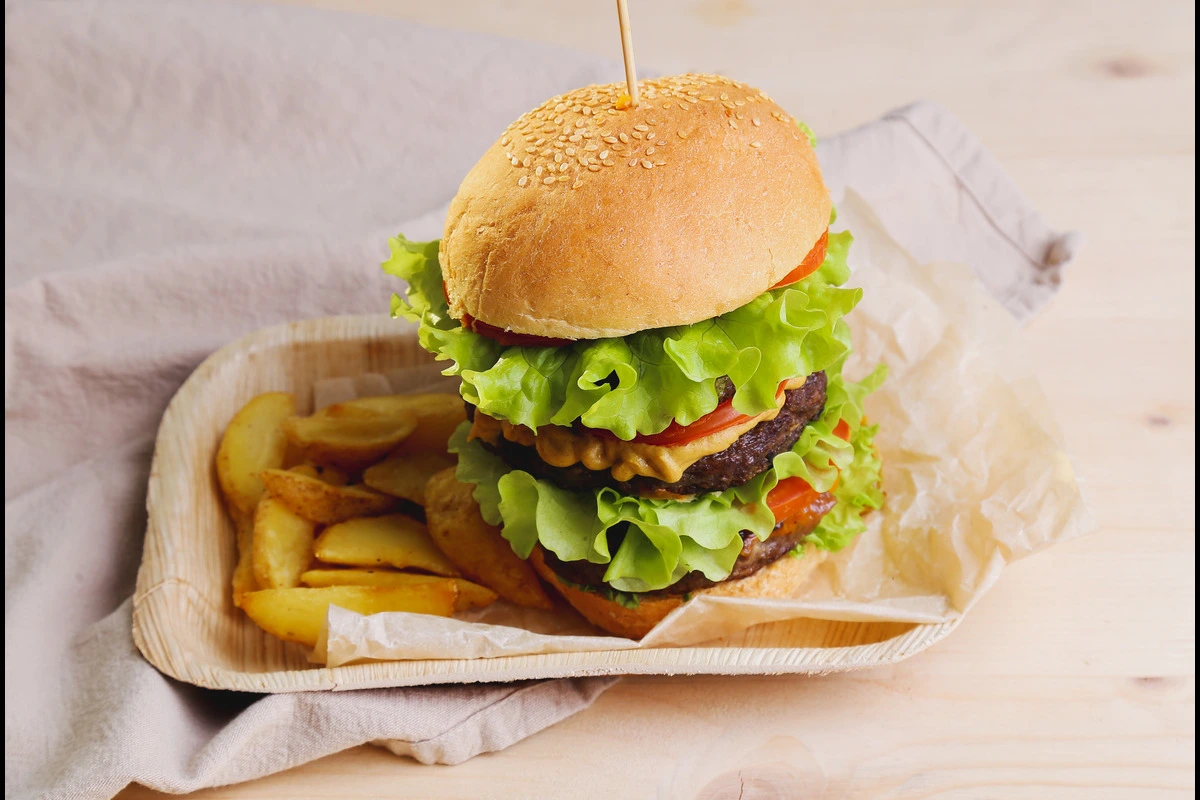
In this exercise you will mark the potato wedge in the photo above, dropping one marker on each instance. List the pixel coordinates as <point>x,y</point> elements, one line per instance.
<point>243,573</point>
<point>316,500</point>
<point>296,615</point>
<point>253,442</point>
<point>331,475</point>
<point>470,595</point>
<point>476,547</point>
<point>348,441</point>
<point>404,476</point>
<point>392,541</point>
<point>437,414</point>
<point>282,545</point>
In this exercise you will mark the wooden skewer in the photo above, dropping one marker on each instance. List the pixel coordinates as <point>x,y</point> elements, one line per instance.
<point>627,51</point>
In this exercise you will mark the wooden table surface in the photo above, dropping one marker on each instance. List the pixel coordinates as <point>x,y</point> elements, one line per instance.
<point>1075,677</point>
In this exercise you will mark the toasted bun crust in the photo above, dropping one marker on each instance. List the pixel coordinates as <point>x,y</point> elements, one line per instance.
<point>584,221</point>
<point>780,579</point>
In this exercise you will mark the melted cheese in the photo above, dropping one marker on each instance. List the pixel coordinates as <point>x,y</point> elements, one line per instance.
<point>562,447</point>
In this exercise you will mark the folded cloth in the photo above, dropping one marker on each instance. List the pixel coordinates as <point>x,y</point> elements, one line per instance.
<point>179,175</point>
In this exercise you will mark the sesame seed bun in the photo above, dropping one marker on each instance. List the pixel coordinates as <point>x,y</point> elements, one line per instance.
<point>779,579</point>
<point>585,221</point>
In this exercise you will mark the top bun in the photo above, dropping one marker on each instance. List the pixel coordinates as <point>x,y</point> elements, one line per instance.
<point>585,221</point>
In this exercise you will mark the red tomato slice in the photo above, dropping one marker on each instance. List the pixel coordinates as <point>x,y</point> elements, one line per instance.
<point>792,497</point>
<point>842,430</point>
<point>722,417</point>
<point>811,263</point>
<point>511,338</point>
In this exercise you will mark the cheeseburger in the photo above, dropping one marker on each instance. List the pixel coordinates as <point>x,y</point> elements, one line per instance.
<point>645,307</point>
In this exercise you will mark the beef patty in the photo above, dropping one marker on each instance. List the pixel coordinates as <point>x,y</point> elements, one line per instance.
<point>739,463</point>
<point>754,556</point>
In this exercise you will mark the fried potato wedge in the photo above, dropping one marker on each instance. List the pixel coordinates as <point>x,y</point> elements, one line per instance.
<point>253,442</point>
<point>282,547</point>
<point>438,414</point>
<point>404,476</point>
<point>296,615</point>
<point>474,546</point>
<point>470,595</point>
<point>348,439</point>
<point>318,501</point>
<point>243,573</point>
<point>331,475</point>
<point>393,541</point>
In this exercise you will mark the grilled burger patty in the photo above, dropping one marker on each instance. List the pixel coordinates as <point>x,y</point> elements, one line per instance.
<point>754,556</point>
<point>746,458</point>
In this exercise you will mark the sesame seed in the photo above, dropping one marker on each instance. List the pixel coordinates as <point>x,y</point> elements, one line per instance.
<point>649,151</point>
<point>650,136</point>
<point>588,134</point>
<point>624,137</point>
<point>707,98</point>
<point>596,167</point>
<point>633,162</point>
<point>563,178</point>
<point>733,123</point>
<point>570,151</point>
<point>524,181</point>
<point>756,144</point>
<point>576,138</point>
<point>660,163</point>
<point>547,181</point>
<point>583,160</point>
<point>756,121</point>
<point>540,169</point>
<point>541,141</point>
<point>591,147</point>
<point>641,127</point>
<point>525,162</point>
<point>587,111</point>
<point>647,163</point>
<point>514,161</point>
<point>578,123</point>
<point>608,162</point>
<point>558,120</point>
<point>611,139</point>
<point>603,154</point>
<point>505,141</point>
<point>637,134</point>
<point>681,134</point>
<point>724,96</point>
<point>558,158</point>
<point>740,115</point>
<point>563,167</point>
<point>692,100</point>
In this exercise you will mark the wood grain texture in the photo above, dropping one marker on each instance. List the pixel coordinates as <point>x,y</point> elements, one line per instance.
<point>1074,677</point>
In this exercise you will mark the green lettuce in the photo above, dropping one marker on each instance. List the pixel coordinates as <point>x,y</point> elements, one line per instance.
<point>665,539</point>
<point>637,384</point>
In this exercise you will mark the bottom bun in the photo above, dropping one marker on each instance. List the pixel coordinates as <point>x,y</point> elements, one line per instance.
<point>777,580</point>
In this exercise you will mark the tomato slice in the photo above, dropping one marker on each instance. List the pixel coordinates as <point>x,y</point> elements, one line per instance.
<point>811,263</point>
<point>511,338</point>
<point>722,417</point>
<point>793,497</point>
<point>842,430</point>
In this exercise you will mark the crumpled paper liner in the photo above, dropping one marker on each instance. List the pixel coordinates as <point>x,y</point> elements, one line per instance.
<point>974,471</point>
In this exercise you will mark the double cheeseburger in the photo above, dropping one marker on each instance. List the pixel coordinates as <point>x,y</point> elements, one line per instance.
<point>644,305</point>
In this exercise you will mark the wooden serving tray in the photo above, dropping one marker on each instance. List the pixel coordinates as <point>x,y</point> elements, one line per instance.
<point>186,625</point>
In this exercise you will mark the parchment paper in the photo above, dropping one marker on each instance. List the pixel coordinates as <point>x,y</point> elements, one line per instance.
<point>974,472</point>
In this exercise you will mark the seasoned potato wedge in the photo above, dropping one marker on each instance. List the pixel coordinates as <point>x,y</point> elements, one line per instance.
<point>393,541</point>
<point>437,416</point>
<point>331,475</point>
<point>253,442</point>
<point>296,615</point>
<point>476,547</point>
<point>470,595</point>
<point>316,500</point>
<point>243,573</point>
<point>348,439</point>
<point>282,545</point>
<point>405,476</point>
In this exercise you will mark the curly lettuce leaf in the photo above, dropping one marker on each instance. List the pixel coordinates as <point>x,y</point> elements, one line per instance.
<point>640,383</point>
<point>659,541</point>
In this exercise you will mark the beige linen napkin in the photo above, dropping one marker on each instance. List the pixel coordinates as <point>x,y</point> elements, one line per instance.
<point>179,175</point>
